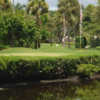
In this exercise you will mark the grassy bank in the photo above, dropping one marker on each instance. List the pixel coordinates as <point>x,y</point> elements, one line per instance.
<point>48,62</point>
<point>30,68</point>
<point>48,50</point>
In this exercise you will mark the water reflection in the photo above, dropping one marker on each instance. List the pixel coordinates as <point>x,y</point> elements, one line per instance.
<point>60,91</point>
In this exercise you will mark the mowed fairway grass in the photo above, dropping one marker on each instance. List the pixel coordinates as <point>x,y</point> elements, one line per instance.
<point>48,50</point>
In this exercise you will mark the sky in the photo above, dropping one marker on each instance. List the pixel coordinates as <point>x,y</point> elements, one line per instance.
<point>53,3</point>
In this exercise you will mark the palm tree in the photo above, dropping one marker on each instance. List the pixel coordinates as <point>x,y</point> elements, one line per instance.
<point>69,10</point>
<point>13,6</point>
<point>19,6</point>
<point>37,8</point>
<point>5,4</point>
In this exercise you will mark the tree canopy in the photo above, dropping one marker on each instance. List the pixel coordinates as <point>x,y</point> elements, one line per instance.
<point>36,22</point>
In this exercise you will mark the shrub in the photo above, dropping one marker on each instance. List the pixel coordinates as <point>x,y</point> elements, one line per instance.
<point>14,28</point>
<point>19,69</point>
<point>95,42</point>
<point>83,42</point>
<point>11,28</point>
<point>87,70</point>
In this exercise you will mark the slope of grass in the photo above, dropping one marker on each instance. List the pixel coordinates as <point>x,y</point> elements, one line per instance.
<point>20,64</point>
<point>48,50</point>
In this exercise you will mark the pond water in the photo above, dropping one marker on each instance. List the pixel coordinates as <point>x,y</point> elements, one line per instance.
<point>55,91</point>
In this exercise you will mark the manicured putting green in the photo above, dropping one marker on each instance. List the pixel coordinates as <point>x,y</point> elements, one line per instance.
<point>48,50</point>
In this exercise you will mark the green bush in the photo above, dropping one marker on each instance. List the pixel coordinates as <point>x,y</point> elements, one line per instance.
<point>80,43</point>
<point>19,69</point>
<point>87,70</point>
<point>14,28</point>
<point>95,42</point>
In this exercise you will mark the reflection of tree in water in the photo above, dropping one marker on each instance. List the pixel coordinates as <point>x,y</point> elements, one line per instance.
<point>83,92</point>
<point>89,92</point>
<point>59,91</point>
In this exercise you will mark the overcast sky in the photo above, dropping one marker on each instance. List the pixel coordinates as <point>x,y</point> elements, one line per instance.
<point>53,3</point>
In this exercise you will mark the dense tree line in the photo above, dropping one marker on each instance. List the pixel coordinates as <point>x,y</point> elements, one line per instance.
<point>91,23</point>
<point>17,30</point>
<point>29,25</point>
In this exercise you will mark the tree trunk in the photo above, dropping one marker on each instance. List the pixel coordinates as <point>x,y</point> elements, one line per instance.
<point>37,44</point>
<point>68,40</point>
<point>39,24</point>
<point>65,30</point>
